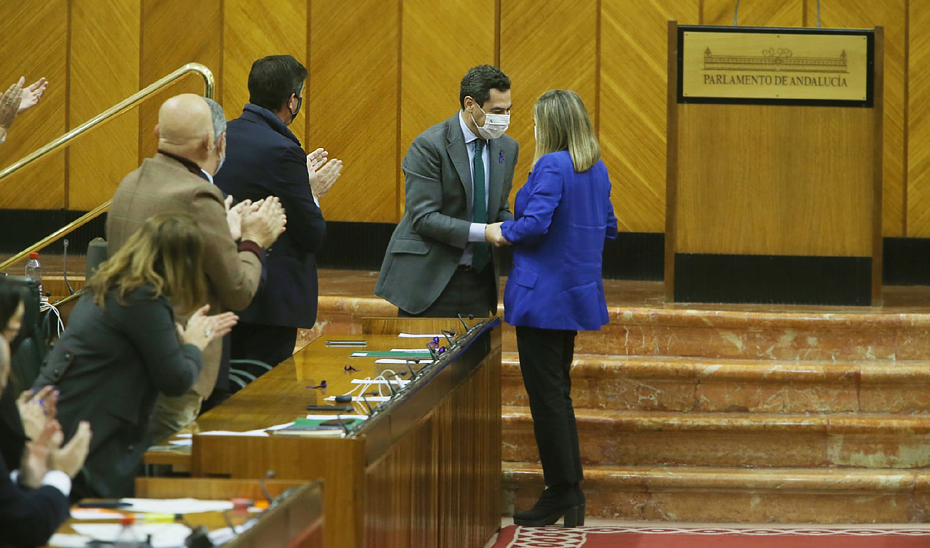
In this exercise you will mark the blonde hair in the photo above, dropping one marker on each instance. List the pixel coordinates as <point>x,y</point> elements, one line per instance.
<point>562,123</point>
<point>166,253</point>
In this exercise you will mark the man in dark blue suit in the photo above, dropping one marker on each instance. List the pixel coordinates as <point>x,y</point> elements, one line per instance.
<point>265,158</point>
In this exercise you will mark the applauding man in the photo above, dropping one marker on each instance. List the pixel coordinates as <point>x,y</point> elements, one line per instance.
<point>265,157</point>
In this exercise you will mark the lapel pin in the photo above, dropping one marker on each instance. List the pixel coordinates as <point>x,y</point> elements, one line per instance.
<point>500,159</point>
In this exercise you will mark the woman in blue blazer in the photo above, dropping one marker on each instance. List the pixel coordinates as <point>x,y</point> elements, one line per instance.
<point>561,218</point>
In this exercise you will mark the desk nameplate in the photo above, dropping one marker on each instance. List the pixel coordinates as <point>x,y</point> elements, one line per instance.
<point>775,66</point>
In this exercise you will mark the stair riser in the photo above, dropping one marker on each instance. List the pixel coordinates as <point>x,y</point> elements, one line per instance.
<point>796,449</point>
<point>702,395</point>
<point>734,506</point>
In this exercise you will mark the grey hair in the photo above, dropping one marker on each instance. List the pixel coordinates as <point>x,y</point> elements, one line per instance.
<point>219,119</point>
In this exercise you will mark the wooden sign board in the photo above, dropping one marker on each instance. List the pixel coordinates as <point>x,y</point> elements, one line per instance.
<point>741,65</point>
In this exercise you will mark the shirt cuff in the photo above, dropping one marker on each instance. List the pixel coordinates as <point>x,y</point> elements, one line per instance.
<point>59,480</point>
<point>476,232</point>
<point>317,202</point>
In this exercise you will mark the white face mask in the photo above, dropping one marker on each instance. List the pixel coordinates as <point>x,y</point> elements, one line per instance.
<point>494,125</point>
<point>535,135</point>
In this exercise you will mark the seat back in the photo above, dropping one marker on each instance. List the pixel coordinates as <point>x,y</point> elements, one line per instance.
<point>31,345</point>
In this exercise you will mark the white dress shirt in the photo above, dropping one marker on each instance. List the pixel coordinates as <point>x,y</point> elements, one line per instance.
<point>476,230</point>
<point>54,478</point>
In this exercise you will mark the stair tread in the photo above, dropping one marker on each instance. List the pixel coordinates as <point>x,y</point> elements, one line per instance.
<point>672,420</point>
<point>880,479</point>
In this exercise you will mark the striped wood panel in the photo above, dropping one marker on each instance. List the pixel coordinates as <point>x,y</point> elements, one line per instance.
<point>353,104</point>
<point>918,130</point>
<point>891,15</point>
<point>99,161</point>
<point>634,76</point>
<point>755,13</point>
<point>253,29</point>
<point>440,43</point>
<point>543,49</point>
<point>174,34</point>
<point>35,42</point>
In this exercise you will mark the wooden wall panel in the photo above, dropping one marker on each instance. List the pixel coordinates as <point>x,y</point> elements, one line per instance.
<point>543,49</point>
<point>755,13</point>
<point>173,34</point>
<point>634,75</point>
<point>918,123</point>
<point>791,201</point>
<point>35,45</point>
<point>891,15</point>
<point>253,29</point>
<point>440,43</point>
<point>99,161</point>
<point>353,104</point>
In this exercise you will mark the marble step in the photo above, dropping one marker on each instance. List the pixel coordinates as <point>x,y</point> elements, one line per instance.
<point>737,495</point>
<point>802,440</point>
<point>847,335</point>
<point>732,385</point>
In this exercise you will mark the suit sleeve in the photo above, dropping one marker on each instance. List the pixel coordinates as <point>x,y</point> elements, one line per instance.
<point>29,518</point>
<point>172,367</point>
<point>423,187</point>
<point>305,223</point>
<point>235,275</point>
<point>611,218</point>
<point>504,213</point>
<point>545,195</point>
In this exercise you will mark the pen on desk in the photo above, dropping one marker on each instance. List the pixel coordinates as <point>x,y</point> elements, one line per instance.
<point>159,518</point>
<point>104,504</point>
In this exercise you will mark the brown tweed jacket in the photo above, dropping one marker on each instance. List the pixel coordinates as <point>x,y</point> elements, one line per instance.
<point>164,185</point>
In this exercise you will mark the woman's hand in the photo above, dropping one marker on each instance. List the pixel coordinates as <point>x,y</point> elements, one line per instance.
<point>202,329</point>
<point>36,410</point>
<point>70,458</point>
<point>493,235</point>
<point>9,104</point>
<point>36,456</point>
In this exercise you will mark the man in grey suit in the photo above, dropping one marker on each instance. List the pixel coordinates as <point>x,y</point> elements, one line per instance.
<point>442,258</point>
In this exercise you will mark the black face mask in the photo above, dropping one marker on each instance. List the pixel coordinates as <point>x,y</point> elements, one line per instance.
<point>294,114</point>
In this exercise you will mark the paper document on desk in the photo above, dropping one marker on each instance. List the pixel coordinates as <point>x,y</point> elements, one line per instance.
<point>164,535</point>
<point>418,336</point>
<point>62,540</point>
<point>358,399</point>
<point>176,506</point>
<point>394,361</point>
<point>256,433</point>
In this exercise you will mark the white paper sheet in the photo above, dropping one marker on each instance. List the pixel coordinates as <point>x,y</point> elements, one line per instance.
<point>412,350</point>
<point>88,514</point>
<point>395,361</point>
<point>380,381</point>
<point>60,540</point>
<point>176,506</point>
<point>341,416</point>
<point>358,399</point>
<point>182,443</point>
<point>164,535</point>
<point>255,433</point>
<point>419,336</point>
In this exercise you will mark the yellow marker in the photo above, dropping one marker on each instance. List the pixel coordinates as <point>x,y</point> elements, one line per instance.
<point>158,518</point>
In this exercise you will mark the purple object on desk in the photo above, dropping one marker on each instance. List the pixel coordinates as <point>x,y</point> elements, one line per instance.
<point>321,385</point>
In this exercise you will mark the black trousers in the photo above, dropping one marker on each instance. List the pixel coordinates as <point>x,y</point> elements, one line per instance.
<point>545,361</point>
<point>271,344</point>
<point>468,292</point>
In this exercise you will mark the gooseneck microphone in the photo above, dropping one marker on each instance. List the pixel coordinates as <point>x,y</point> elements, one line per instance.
<point>64,260</point>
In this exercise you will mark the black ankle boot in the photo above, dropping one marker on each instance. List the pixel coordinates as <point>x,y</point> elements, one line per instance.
<point>555,502</point>
<point>579,496</point>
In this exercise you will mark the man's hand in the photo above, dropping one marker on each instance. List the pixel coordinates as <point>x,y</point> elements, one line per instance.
<point>234,217</point>
<point>9,104</point>
<point>32,95</point>
<point>70,458</point>
<point>35,462</point>
<point>36,410</point>
<point>264,224</point>
<point>323,173</point>
<point>493,235</point>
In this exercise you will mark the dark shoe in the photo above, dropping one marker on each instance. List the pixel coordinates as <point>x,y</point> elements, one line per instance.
<point>554,503</point>
<point>579,496</point>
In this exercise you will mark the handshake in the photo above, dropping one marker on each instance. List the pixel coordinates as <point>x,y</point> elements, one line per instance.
<point>493,235</point>
<point>261,222</point>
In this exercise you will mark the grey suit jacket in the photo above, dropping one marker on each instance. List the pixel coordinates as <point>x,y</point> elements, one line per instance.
<point>428,243</point>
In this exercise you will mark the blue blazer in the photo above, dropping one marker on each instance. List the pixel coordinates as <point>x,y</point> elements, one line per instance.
<point>263,158</point>
<point>561,219</point>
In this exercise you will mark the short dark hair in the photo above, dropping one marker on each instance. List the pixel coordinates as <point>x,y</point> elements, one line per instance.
<point>273,79</point>
<point>479,81</point>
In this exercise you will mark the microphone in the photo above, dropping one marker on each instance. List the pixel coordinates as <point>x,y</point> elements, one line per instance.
<point>64,260</point>
<point>368,405</point>
<point>448,335</point>
<point>470,317</point>
<point>390,386</point>
<point>413,372</point>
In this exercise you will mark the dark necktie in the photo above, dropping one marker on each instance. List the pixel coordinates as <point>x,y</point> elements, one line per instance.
<point>482,250</point>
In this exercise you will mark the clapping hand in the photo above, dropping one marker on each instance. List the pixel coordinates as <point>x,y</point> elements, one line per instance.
<point>323,172</point>
<point>263,221</point>
<point>35,460</point>
<point>70,458</point>
<point>234,215</point>
<point>493,235</point>
<point>10,103</point>
<point>37,410</point>
<point>32,95</point>
<point>202,329</point>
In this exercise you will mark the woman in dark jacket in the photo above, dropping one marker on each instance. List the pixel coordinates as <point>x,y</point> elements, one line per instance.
<point>561,218</point>
<point>122,347</point>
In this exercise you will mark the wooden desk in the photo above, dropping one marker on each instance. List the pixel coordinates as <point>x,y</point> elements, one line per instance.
<point>425,471</point>
<point>295,521</point>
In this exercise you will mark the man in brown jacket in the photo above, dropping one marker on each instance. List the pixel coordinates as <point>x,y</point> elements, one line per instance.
<point>191,149</point>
